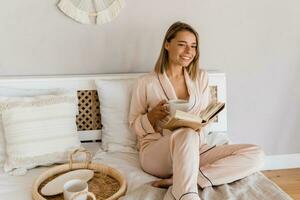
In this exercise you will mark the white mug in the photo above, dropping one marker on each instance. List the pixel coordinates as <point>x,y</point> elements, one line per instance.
<point>77,189</point>
<point>178,104</point>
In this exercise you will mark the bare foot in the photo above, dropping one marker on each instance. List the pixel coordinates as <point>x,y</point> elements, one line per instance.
<point>163,183</point>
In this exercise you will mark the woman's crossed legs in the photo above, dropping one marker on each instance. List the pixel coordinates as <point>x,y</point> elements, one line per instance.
<point>175,158</point>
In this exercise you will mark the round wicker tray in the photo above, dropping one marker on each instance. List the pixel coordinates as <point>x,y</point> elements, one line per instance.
<point>105,177</point>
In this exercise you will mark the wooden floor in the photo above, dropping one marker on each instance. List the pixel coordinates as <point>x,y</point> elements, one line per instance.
<point>287,179</point>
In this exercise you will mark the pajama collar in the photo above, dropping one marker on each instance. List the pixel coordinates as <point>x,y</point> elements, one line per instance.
<point>169,90</point>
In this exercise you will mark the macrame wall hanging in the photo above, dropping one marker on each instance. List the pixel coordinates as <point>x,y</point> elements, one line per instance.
<point>91,11</point>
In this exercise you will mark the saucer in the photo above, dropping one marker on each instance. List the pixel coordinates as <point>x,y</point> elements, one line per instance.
<point>55,186</point>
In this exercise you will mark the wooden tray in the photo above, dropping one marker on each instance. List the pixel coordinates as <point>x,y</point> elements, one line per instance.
<point>101,172</point>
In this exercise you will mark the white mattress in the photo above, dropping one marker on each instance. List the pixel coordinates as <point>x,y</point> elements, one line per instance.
<point>256,186</point>
<point>128,165</point>
<point>139,183</point>
<point>19,187</point>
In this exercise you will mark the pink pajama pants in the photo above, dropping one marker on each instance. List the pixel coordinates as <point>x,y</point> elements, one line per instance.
<point>181,155</point>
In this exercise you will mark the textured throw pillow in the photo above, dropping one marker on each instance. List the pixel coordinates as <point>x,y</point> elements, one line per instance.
<point>38,130</point>
<point>16,92</point>
<point>114,97</point>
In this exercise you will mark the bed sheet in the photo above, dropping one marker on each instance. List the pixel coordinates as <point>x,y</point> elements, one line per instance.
<point>19,187</point>
<point>256,186</point>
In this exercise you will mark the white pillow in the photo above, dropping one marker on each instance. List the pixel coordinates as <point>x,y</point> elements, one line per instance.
<point>114,97</point>
<point>16,92</point>
<point>19,92</point>
<point>39,130</point>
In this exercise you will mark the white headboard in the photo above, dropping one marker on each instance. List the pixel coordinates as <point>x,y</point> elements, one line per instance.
<point>87,82</point>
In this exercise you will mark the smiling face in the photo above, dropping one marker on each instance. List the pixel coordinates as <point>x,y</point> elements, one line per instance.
<point>181,49</point>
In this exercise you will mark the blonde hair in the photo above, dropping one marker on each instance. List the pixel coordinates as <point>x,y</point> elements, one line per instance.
<point>163,59</point>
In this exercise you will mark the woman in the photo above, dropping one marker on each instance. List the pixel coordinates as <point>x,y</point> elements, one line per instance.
<point>181,158</point>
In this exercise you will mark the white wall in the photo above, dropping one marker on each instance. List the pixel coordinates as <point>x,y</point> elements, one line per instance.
<point>256,43</point>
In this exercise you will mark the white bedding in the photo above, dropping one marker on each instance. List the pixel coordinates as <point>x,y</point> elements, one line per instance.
<point>128,165</point>
<point>19,187</point>
<point>256,186</point>
<point>253,187</point>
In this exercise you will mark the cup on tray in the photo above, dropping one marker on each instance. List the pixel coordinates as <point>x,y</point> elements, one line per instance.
<point>77,189</point>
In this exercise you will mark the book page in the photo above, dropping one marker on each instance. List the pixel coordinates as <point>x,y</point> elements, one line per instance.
<point>212,110</point>
<point>187,116</point>
<point>179,123</point>
<point>185,119</point>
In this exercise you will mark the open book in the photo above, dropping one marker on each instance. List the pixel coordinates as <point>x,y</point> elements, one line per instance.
<point>184,119</point>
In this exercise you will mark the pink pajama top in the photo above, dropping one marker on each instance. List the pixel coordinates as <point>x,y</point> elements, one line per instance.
<point>149,90</point>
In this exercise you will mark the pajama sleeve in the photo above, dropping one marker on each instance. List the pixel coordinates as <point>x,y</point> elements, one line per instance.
<point>138,120</point>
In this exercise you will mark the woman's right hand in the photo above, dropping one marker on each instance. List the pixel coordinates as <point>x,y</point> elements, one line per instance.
<point>160,111</point>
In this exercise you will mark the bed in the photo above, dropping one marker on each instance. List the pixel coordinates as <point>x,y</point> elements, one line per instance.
<point>98,135</point>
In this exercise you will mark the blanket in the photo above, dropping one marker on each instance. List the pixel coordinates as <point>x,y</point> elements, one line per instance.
<point>256,186</point>
<point>253,187</point>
